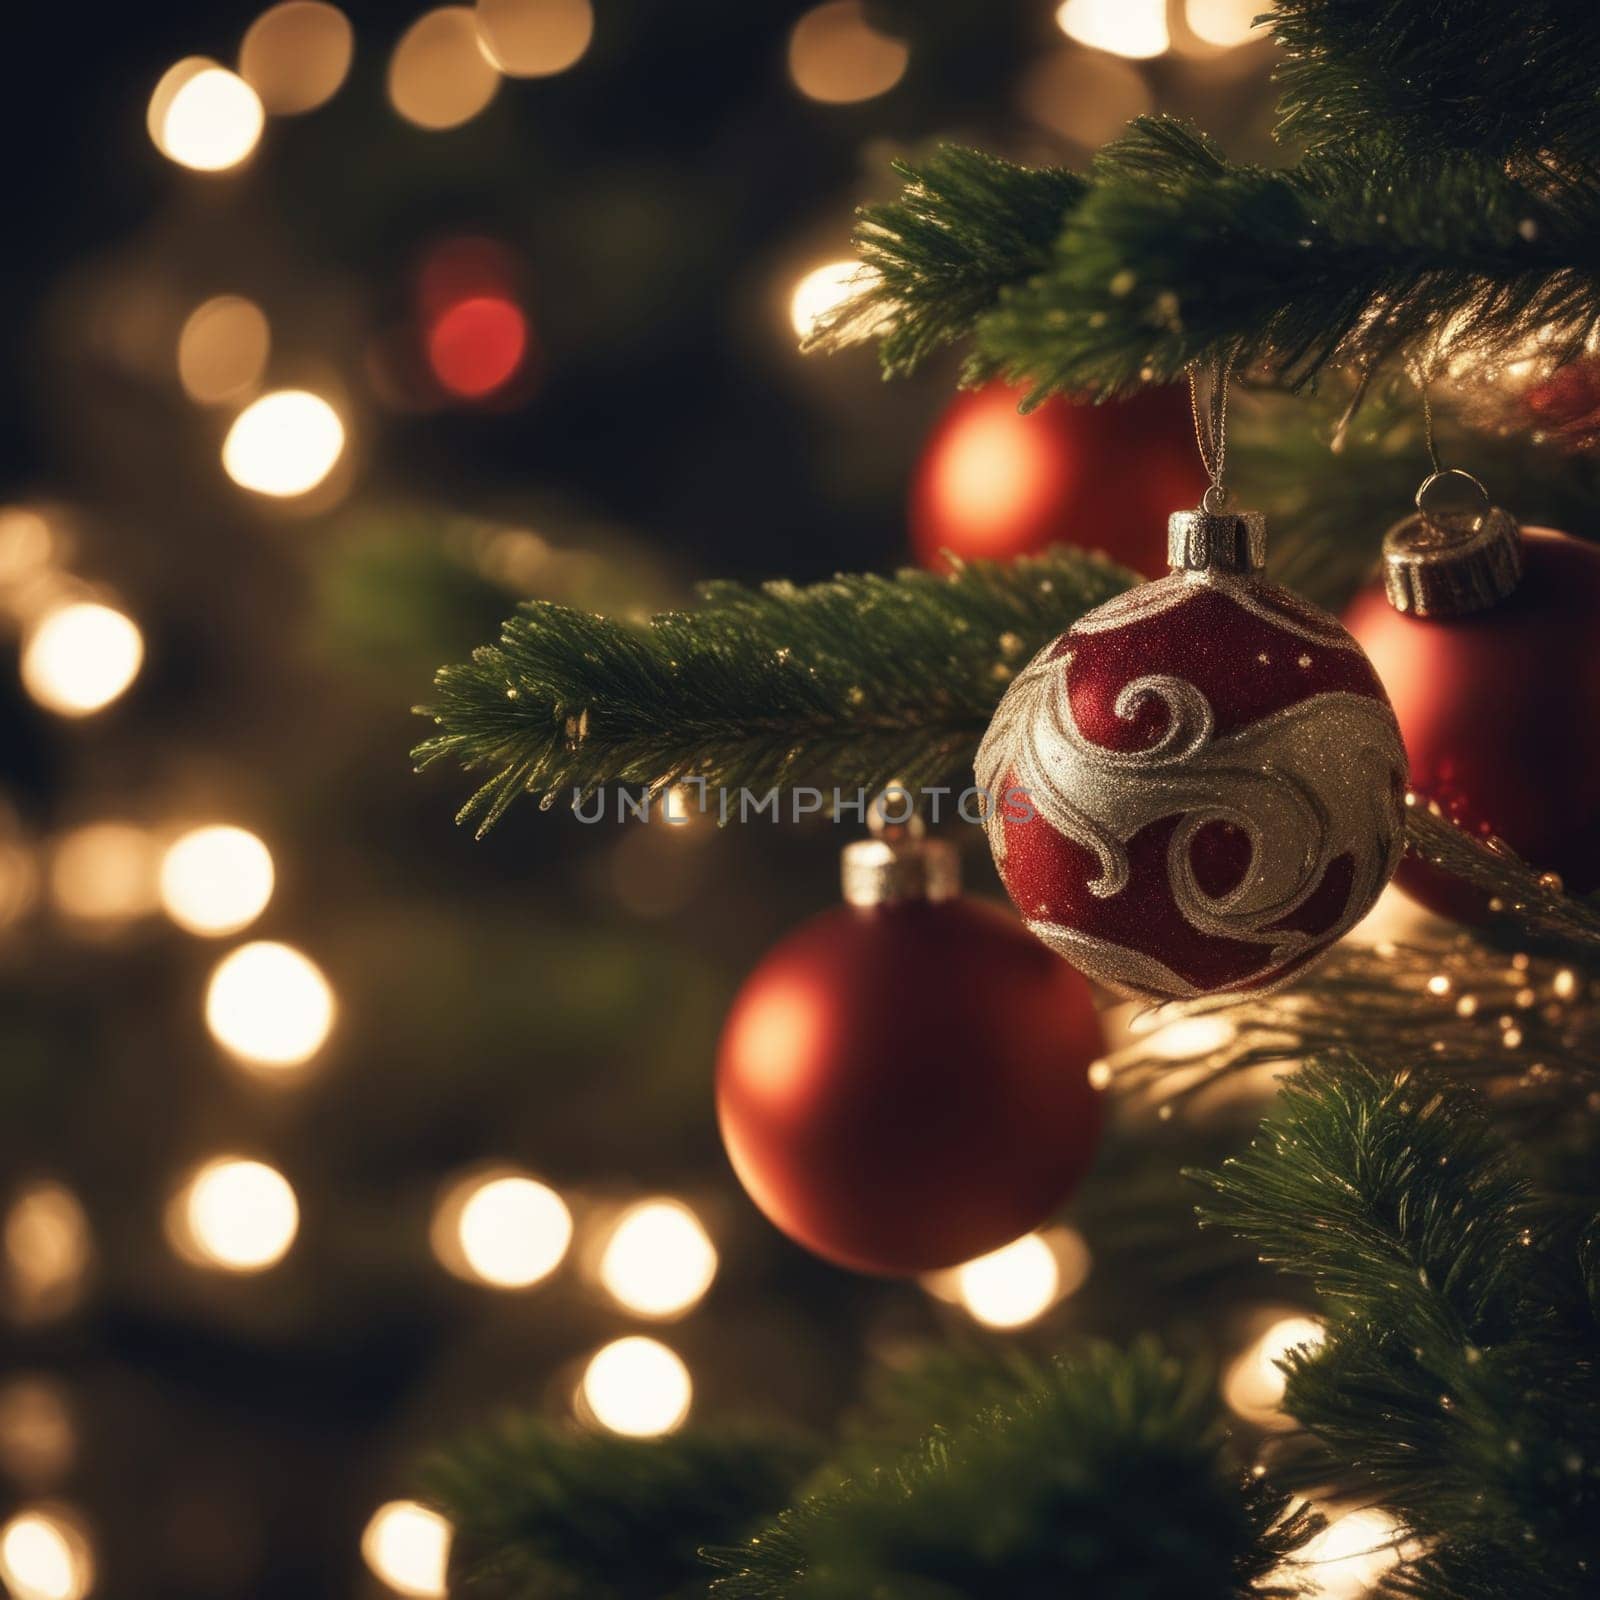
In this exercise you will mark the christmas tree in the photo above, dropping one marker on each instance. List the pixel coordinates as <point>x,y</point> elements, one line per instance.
<point>1426,1181</point>
<point>909,1082</point>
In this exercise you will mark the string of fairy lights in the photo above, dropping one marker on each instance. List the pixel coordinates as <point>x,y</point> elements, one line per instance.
<point>267,1004</point>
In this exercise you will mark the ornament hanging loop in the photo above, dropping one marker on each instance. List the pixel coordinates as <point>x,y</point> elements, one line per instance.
<point>898,862</point>
<point>1215,538</point>
<point>1211,428</point>
<point>1438,499</point>
<point>1459,553</point>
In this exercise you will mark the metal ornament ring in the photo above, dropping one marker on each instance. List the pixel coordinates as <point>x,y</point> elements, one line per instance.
<point>1460,476</point>
<point>1215,500</point>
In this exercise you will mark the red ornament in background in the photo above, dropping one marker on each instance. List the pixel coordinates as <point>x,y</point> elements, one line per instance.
<point>477,345</point>
<point>902,1083</point>
<point>995,483</point>
<point>1498,708</point>
<point>1199,786</point>
<point>475,331</point>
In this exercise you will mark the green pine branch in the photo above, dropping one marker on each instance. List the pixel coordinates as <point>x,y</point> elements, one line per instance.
<point>1107,1473</point>
<point>1174,256</point>
<point>1471,75</point>
<point>850,683</point>
<point>1457,1384</point>
<point>543,1513</point>
<point>966,226</point>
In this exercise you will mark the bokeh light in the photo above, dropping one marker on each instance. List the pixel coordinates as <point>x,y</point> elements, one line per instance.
<point>37,1439</point>
<point>1016,1284</point>
<point>48,1249</point>
<point>477,345</point>
<point>283,444</point>
<point>503,1228</point>
<point>1346,1560</point>
<point>1253,1385</point>
<point>1133,28</point>
<point>26,544</point>
<point>837,56</point>
<point>1224,23</point>
<point>45,1555</point>
<point>81,656</point>
<point>217,879</point>
<point>104,872</point>
<point>234,1214</point>
<point>534,38</point>
<point>19,881</point>
<point>820,290</point>
<point>440,75</point>
<point>296,55</point>
<point>407,1546</point>
<point>1085,95</point>
<point>1011,1286</point>
<point>659,1260</point>
<point>223,349</point>
<point>204,117</point>
<point>269,1005</point>
<point>636,1386</point>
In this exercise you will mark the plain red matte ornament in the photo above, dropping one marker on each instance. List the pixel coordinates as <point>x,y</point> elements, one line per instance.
<point>1498,710</point>
<point>903,1086</point>
<point>995,483</point>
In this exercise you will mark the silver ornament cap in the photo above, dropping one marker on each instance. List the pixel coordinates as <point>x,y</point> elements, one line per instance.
<point>1216,540</point>
<point>898,862</point>
<point>1443,564</point>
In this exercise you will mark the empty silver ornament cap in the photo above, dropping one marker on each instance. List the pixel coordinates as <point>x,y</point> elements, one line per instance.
<point>1214,539</point>
<point>898,862</point>
<point>1456,555</point>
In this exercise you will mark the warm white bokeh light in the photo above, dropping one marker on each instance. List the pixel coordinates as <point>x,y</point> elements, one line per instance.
<point>1136,29</point>
<point>235,1214</point>
<point>1346,1560</point>
<point>1253,1386</point>
<point>659,1260</point>
<point>37,1439</point>
<point>408,1547</point>
<point>820,290</point>
<point>1016,1284</point>
<point>44,1555</point>
<point>104,872</point>
<point>223,349</point>
<point>48,1248</point>
<point>1085,95</point>
<point>1189,1036</point>
<point>269,1005</point>
<point>534,38</point>
<point>440,74</point>
<point>296,55</point>
<point>1224,23</point>
<point>204,117</point>
<point>283,444</point>
<point>637,1386</point>
<point>502,1228</point>
<point>79,657</point>
<point>216,879</point>
<point>837,56</point>
<point>26,544</point>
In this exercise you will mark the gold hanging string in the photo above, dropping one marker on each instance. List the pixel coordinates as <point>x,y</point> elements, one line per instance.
<point>1211,427</point>
<point>1443,478</point>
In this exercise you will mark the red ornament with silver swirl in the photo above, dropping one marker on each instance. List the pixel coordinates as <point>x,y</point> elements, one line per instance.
<point>1199,786</point>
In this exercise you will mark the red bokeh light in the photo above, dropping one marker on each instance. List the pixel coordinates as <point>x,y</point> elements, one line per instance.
<point>476,345</point>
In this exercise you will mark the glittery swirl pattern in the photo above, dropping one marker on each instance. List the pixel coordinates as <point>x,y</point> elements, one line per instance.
<point>1197,789</point>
